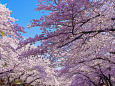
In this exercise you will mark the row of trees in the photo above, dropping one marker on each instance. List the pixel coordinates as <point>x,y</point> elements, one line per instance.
<point>77,45</point>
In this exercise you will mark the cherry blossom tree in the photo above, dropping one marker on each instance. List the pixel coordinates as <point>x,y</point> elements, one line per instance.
<point>78,35</point>
<point>73,18</point>
<point>31,70</point>
<point>8,30</point>
<point>92,64</point>
<point>7,26</point>
<point>17,66</point>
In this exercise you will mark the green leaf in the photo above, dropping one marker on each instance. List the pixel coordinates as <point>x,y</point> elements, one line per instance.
<point>5,64</point>
<point>18,82</point>
<point>2,33</point>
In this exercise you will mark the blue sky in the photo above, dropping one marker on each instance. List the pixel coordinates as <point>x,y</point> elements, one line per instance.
<point>24,11</point>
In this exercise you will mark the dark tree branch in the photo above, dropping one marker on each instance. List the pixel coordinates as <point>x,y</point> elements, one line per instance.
<point>112,18</point>
<point>18,77</point>
<point>105,78</point>
<point>83,22</point>
<point>112,52</point>
<point>88,78</point>
<point>78,37</point>
<point>28,77</point>
<point>33,81</point>
<point>9,71</point>
<point>84,33</point>
<point>55,2</point>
